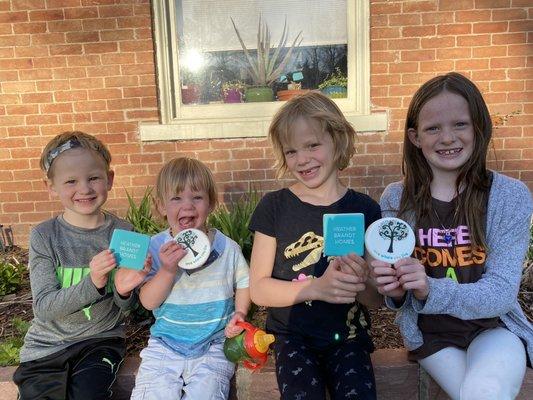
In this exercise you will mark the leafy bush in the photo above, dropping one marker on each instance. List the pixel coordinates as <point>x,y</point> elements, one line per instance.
<point>233,221</point>
<point>11,274</point>
<point>10,348</point>
<point>140,216</point>
<point>335,79</point>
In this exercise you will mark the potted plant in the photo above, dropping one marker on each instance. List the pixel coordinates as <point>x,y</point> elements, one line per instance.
<point>335,86</point>
<point>265,68</point>
<point>233,91</point>
<point>294,85</point>
<point>190,87</point>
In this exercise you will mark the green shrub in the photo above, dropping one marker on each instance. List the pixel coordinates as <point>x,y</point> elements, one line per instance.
<point>140,216</point>
<point>11,275</point>
<point>233,221</point>
<point>10,348</point>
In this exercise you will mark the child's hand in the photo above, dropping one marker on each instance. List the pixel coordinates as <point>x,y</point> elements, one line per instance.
<point>101,265</point>
<point>387,282</point>
<point>128,279</point>
<point>412,276</point>
<point>354,264</point>
<point>231,328</point>
<point>336,286</point>
<point>170,254</point>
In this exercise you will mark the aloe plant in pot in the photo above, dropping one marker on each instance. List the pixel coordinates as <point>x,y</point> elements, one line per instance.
<point>267,65</point>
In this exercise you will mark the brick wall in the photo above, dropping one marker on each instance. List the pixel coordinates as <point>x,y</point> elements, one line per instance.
<point>89,65</point>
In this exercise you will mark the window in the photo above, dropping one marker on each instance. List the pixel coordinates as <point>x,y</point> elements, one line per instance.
<point>211,57</point>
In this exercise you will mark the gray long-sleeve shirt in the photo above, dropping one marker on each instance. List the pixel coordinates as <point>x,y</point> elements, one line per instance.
<point>67,307</point>
<point>495,294</point>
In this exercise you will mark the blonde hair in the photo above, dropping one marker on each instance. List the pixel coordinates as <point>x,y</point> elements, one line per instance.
<point>316,107</point>
<point>84,140</point>
<point>180,172</point>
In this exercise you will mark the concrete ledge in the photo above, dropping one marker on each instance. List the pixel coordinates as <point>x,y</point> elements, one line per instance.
<point>396,379</point>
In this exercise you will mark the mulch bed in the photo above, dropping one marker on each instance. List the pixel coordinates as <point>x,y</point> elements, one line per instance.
<point>384,332</point>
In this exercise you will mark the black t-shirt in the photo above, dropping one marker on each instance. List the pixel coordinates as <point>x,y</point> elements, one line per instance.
<point>445,249</point>
<point>297,228</point>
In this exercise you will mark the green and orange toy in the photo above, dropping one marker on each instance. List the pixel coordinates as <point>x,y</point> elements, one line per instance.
<point>250,347</point>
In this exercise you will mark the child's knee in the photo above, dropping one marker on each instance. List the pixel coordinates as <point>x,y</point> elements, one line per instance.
<point>488,389</point>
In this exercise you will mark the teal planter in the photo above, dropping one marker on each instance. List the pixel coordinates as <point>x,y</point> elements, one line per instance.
<point>256,94</point>
<point>335,92</point>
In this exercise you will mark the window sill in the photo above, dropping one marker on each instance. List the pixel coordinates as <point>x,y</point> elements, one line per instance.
<point>224,128</point>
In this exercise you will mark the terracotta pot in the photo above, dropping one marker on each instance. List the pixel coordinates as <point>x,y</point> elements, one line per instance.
<point>284,95</point>
<point>190,94</point>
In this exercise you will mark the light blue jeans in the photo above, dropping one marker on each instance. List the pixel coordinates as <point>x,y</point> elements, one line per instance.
<point>165,375</point>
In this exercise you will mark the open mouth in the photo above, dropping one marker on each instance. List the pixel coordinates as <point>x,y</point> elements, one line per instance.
<point>186,222</point>
<point>308,172</point>
<point>449,152</point>
<point>85,201</point>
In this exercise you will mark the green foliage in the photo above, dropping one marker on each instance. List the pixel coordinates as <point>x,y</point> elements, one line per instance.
<point>233,221</point>
<point>10,348</point>
<point>11,274</point>
<point>140,216</point>
<point>265,68</point>
<point>335,79</point>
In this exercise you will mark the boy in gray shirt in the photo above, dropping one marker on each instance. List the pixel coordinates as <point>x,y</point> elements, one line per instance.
<point>76,341</point>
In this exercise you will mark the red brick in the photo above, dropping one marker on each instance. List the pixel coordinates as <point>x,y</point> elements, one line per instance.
<point>50,62</point>
<point>96,94</point>
<point>520,50</point>
<point>70,95</point>
<point>473,40</point>
<point>81,13</point>
<point>100,48</point>
<point>508,62</point>
<point>67,49</point>
<point>491,27</point>
<point>22,109</point>
<point>46,15</point>
<point>509,14</point>
<point>64,26</point>
<point>508,38</point>
<point>31,51</point>
<point>13,17</point>
<point>118,58</point>
<point>99,24</point>
<point>384,32</point>
<point>103,71</point>
<point>437,42</point>
<point>492,3</point>
<point>419,6</point>
<point>30,27</point>
<point>385,8</point>
<point>121,81</point>
<point>454,29</point>
<point>18,87</point>
<point>472,16</point>
<point>82,37</point>
<point>404,19</point>
<point>107,116</point>
<point>489,51</point>
<point>35,74</point>
<point>417,55</point>
<point>437,18</point>
<point>472,64</point>
<point>87,83</point>
<point>521,26</point>
<point>403,43</point>
<point>134,22</point>
<point>117,35</point>
<point>56,108</point>
<point>456,5</point>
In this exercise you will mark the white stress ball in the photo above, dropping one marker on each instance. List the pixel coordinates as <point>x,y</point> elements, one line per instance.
<point>389,240</point>
<point>197,245</point>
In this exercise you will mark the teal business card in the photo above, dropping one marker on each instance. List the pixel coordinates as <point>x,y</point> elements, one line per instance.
<point>130,248</point>
<point>344,234</point>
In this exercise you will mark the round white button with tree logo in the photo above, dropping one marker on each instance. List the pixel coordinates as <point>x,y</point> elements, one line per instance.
<point>197,245</point>
<point>389,239</point>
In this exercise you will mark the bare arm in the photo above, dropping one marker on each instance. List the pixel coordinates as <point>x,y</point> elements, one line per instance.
<point>154,292</point>
<point>334,286</point>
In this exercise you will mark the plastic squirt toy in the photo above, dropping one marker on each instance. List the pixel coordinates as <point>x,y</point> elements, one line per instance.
<point>249,347</point>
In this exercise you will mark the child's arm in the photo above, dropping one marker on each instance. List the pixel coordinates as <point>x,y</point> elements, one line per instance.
<point>126,280</point>
<point>334,286</point>
<point>242,305</point>
<point>50,300</point>
<point>156,290</point>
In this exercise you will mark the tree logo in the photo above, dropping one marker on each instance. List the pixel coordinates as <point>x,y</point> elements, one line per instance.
<point>393,230</point>
<point>188,239</point>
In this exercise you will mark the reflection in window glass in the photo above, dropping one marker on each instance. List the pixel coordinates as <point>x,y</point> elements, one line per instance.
<point>223,49</point>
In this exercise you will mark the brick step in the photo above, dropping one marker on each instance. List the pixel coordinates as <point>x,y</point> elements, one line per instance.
<point>396,379</point>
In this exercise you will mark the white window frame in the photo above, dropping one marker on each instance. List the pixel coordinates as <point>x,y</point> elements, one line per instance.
<point>208,121</point>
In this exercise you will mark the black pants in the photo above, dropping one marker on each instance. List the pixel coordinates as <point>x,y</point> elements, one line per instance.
<point>83,371</point>
<point>305,373</point>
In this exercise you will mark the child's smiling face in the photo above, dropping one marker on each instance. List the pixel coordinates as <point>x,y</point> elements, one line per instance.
<point>81,181</point>
<point>186,209</point>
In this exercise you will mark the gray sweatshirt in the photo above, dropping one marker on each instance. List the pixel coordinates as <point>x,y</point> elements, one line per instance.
<point>495,293</point>
<point>67,307</point>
